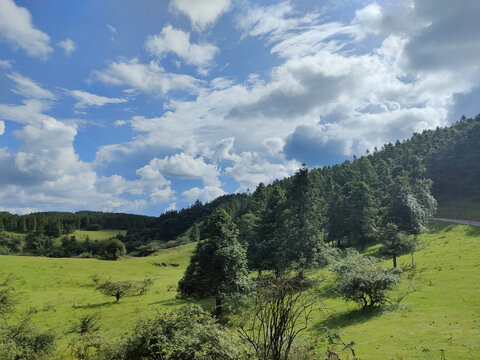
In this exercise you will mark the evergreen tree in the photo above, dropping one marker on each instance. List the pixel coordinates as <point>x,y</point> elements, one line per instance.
<point>362,217</point>
<point>194,233</point>
<point>218,265</point>
<point>265,252</point>
<point>303,222</point>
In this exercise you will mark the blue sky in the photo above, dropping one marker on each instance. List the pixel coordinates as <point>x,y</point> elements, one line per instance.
<point>145,106</point>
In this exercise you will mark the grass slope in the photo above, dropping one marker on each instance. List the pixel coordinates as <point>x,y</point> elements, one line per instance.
<point>444,312</point>
<point>59,291</point>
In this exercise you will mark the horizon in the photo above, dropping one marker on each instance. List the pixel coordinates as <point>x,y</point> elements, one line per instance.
<point>141,109</point>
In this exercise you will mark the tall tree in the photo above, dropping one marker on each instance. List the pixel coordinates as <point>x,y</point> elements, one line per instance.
<point>218,266</point>
<point>303,221</point>
<point>362,214</point>
<point>265,251</point>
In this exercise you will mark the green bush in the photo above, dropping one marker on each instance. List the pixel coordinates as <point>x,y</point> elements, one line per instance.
<point>186,334</point>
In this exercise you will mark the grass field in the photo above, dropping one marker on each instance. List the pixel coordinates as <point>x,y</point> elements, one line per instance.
<point>99,235</point>
<point>442,314</point>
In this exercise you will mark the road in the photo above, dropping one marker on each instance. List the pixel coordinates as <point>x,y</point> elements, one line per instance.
<point>458,221</point>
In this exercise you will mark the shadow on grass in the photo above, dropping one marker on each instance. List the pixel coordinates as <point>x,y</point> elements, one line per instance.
<point>169,302</point>
<point>94,306</point>
<point>473,231</point>
<point>437,226</point>
<point>344,319</point>
<point>326,291</point>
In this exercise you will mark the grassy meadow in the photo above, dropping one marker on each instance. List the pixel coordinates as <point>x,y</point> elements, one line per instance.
<point>442,315</point>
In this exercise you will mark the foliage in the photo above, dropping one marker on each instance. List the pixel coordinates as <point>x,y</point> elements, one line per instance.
<point>218,265</point>
<point>9,298</point>
<point>24,342</point>
<point>117,289</point>
<point>395,243</point>
<point>185,334</point>
<point>114,249</point>
<point>363,280</point>
<point>87,324</point>
<point>93,346</point>
<point>281,310</point>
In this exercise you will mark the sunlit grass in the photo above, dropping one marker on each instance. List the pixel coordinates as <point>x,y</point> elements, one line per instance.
<point>442,314</point>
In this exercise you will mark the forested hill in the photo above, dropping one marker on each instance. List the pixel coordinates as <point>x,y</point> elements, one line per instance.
<point>345,202</point>
<point>449,157</point>
<point>59,223</point>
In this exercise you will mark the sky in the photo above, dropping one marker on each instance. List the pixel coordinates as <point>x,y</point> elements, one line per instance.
<point>145,106</point>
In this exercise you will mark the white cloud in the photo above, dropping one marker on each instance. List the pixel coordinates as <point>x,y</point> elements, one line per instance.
<point>370,20</point>
<point>149,78</point>
<point>2,127</point>
<point>30,112</point>
<point>67,45</point>
<point>274,21</point>
<point>202,13</point>
<point>5,64</point>
<point>86,99</point>
<point>171,207</point>
<point>17,28</point>
<point>112,29</point>
<point>205,194</point>
<point>28,88</point>
<point>181,166</point>
<point>250,169</point>
<point>178,42</point>
<point>162,195</point>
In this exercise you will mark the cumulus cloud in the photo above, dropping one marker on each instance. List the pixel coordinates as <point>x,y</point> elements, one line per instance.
<point>149,78</point>
<point>250,169</point>
<point>17,28</point>
<point>178,42</point>
<point>86,99</point>
<point>67,45</point>
<point>28,88</point>
<point>181,166</point>
<point>46,172</point>
<point>30,112</point>
<point>162,195</point>
<point>2,127</point>
<point>202,13</point>
<point>205,194</point>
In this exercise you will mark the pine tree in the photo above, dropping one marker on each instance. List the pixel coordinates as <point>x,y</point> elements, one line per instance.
<point>303,221</point>
<point>218,266</point>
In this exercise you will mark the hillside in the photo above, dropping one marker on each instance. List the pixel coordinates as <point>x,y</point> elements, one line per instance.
<point>59,291</point>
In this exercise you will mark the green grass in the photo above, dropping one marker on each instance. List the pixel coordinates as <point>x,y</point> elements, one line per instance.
<point>59,291</point>
<point>443,313</point>
<point>81,235</point>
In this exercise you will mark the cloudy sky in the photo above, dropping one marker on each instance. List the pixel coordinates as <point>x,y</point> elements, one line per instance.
<point>145,106</point>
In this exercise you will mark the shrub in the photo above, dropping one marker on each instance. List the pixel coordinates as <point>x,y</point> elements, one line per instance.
<point>363,280</point>
<point>114,249</point>
<point>186,334</point>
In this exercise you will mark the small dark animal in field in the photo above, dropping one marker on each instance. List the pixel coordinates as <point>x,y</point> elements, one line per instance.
<point>174,265</point>
<point>159,265</point>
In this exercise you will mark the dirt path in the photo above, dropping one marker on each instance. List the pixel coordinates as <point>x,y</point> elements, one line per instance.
<point>458,221</point>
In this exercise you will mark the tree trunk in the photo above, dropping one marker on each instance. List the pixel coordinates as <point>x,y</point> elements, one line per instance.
<point>413,264</point>
<point>218,307</point>
<point>394,261</point>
